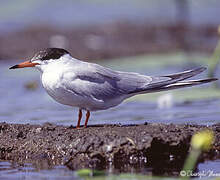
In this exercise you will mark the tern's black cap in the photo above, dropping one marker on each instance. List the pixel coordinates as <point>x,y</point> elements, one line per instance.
<point>50,53</point>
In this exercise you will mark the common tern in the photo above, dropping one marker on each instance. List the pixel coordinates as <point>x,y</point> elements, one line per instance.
<point>92,87</point>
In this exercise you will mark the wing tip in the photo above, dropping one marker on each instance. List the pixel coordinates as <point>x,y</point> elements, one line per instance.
<point>196,70</point>
<point>211,79</point>
<point>200,69</point>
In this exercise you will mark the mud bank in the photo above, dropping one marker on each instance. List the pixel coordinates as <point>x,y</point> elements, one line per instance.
<point>161,148</point>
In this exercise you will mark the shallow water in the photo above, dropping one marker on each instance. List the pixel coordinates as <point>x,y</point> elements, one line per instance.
<point>11,171</point>
<point>20,104</point>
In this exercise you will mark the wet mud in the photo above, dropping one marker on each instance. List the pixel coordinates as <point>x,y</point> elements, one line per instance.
<point>159,148</point>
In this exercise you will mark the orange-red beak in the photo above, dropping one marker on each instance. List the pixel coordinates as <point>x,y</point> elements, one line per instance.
<point>24,64</point>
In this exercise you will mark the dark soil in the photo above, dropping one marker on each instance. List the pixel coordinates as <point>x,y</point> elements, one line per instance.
<point>159,147</point>
<point>110,40</point>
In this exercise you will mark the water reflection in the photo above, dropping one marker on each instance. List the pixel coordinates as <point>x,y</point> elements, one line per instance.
<point>12,171</point>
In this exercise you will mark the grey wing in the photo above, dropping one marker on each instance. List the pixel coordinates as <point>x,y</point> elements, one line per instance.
<point>128,83</point>
<point>102,84</point>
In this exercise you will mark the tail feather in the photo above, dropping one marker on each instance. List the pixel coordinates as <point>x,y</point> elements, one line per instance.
<point>173,78</point>
<point>173,81</point>
<point>183,84</point>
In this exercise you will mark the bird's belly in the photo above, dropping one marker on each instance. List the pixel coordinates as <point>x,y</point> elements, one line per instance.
<point>63,96</point>
<point>52,84</point>
<point>68,98</point>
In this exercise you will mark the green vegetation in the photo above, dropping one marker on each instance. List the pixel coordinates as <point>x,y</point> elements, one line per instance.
<point>201,141</point>
<point>214,59</point>
<point>157,61</point>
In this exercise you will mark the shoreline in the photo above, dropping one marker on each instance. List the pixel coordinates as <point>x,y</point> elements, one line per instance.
<point>111,40</point>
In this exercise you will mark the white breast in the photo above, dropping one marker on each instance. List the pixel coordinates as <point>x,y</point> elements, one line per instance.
<point>56,78</point>
<point>51,80</point>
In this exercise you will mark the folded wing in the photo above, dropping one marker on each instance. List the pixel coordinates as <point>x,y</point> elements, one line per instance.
<point>103,84</point>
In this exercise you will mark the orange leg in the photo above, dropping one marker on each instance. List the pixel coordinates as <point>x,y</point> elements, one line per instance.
<point>79,118</point>
<point>87,118</point>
